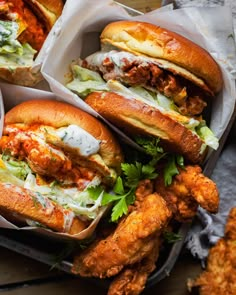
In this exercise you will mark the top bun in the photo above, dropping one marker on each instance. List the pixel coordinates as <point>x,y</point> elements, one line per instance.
<point>142,38</point>
<point>59,114</point>
<point>35,19</point>
<point>47,11</point>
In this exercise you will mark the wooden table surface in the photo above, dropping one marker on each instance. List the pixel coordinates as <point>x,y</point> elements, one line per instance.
<point>22,275</point>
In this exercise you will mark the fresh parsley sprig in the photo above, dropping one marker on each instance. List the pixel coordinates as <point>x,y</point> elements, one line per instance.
<point>152,147</point>
<point>123,193</point>
<point>171,237</point>
<point>171,169</point>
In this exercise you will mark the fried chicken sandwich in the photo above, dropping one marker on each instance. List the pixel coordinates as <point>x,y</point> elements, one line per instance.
<point>151,81</point>
<point>24,26</point>
<point>52,156</point>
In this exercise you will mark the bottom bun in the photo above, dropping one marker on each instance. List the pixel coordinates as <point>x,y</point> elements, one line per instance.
<point>136,117</point>
<point>24,205</point>
<point>23,76</point>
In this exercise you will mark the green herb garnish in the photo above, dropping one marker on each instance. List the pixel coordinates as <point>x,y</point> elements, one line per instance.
<point>171,237</point>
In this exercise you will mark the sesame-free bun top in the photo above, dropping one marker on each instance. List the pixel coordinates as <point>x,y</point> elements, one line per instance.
<point>143,38</point>
<point>47,10</point>
<point>60,114</point>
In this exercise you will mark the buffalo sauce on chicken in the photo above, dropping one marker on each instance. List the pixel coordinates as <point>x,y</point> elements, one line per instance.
<point>136,71</point>
<point>49,161</point>
<point>31,29</point>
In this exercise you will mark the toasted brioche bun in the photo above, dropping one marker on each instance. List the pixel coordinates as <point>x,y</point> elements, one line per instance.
<point>60,114</point>
<point>22,204</point>
<point>136,117</point>
<point>142,38</point>
<point>41,12</point>
<point>47,11</point>
<point>21,75</point>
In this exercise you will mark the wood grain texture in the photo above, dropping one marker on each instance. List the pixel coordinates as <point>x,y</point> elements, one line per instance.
<point>142,5</point>
<point>15,267</point>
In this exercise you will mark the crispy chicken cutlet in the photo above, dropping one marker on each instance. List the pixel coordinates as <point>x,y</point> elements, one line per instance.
<point>189,189</point>
<point>132,280</point>
<point>133,239</point>
<point>131,250</point>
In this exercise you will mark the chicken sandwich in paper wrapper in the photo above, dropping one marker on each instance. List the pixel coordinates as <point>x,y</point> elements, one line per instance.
<point>53,156</point>
<point>24,27</point>
<point>187,84</point>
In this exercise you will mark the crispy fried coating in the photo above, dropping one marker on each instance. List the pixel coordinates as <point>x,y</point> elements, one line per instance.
<point>132,280</point>
<point>130,251</point>
<point>189,189</point>
<point>219,278</point>
<point>133,239</point>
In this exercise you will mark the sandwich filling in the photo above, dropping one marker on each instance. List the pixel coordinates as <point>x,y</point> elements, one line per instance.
<point>12,53</point>
<point>59,164</point>
<point>156,75</point>
<point>85,81</point>
<point>31,29</point>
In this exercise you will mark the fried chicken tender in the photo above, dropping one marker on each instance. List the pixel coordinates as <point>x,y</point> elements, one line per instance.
<point>219,278</point>
<point>132,280</point>
<point>189,189</point>
<point>130,252</point>
<point>133,239</point>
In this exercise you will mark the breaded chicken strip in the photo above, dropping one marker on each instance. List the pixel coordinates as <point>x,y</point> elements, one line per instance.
<point>219,278</point>
<point>133,239</point>
<point>189,189</point>
<point>132,280</point>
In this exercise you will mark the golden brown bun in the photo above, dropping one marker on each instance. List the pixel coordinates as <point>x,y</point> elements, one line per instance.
<point>36,19</point>
<point>136,117</point>
<point>147,39</point>
<point>59,114</point>
<point>23,204</point>
<point>20,76</point>
<point>46,10</point>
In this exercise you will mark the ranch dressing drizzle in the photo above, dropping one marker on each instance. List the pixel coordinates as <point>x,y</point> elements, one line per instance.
<point>76,137</point>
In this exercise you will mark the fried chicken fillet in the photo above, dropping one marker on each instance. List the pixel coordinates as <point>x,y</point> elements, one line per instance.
<point>130,252</point>
<point>219,278</point>
<point>133,239</point>
<point>189,189</point>
<point>132,279</point>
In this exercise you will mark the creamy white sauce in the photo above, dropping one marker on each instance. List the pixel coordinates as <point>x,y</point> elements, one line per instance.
<point>78,201</point>
<point>76,137</point>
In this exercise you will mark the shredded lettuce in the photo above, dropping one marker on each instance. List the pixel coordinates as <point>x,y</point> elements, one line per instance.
<point>80,202</point>
<point>17,168</point>
<point>85,81</point>
<point>207,136</point>
<point>12,52</point>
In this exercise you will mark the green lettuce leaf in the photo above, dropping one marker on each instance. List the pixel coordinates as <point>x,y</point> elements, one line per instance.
<point>12,52</point>
<point>85,81</point>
